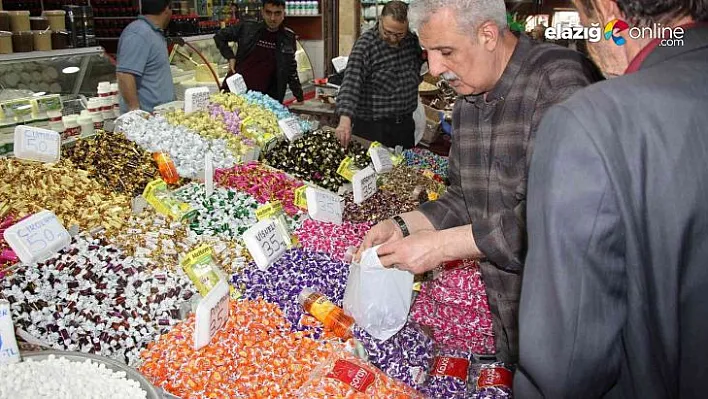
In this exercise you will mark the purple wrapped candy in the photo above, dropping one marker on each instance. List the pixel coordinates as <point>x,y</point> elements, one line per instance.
<point>405,356</point>
<point>452,375</point>
<point>296,269</point>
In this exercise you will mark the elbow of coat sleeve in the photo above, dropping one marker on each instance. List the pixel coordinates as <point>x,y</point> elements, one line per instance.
<point>501,240</point>
<point>442,215</point>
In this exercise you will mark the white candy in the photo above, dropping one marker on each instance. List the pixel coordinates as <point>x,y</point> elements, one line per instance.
<point>60,378</point>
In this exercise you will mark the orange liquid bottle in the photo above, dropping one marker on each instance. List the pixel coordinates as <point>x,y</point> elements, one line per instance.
<point>331,315</point>
<point>167,168</point>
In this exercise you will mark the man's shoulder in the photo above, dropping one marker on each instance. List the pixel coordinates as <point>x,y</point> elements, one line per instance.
<point>546,56</point>
<point>136,27</point>
<point>289,34</point>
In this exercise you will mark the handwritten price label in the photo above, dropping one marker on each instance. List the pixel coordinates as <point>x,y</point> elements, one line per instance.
<point>36,144</point>
<point>290,127</point>
<point>38,237</point>
<point>324,206</point>
<point>196,99</point>
<point>212,314</point>
<point>236,84</point>
<point>364,185</point>
<point>382,159</point>
<point>265,242</point>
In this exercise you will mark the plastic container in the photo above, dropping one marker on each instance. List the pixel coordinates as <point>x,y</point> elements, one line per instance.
<point>116,99</point>
<point>55,121</point>
<point>42,40</point>
<point>94,108</point>
<point>331,315</point>
<point>60,40</point>
<point>5,21</point>
<point>167,168</point>
<point>107,108</point>
<point>22,42</point>
<point>5,42</point>
<point>71,127</point>
<point>39,23</point>
<point>86,123</point>
<point>19,21</point>
<point>56,19</point>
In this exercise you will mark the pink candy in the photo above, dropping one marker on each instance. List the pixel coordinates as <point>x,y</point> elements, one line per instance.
<point>331,238</point>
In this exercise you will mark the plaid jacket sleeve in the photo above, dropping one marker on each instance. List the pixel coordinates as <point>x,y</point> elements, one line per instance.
<point>502,236</point>
<point>353,83</point>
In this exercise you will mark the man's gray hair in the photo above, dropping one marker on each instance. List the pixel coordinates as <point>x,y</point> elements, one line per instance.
<point>470,14</point>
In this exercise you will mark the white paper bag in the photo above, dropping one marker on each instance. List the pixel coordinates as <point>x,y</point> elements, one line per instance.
<point>378,298</point>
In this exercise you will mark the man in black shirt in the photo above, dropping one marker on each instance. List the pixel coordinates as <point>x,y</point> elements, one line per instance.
<point>266,52</point>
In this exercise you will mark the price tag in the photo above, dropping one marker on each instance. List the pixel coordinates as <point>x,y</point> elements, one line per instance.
<point>35,144</point>
<point>269,210</point>
<point>38,237</point>
<point>381,159</point>
<point>212,315</point>
<point>252,154</point>
<point>236,84</point>
<point>265,242</point>
<point>364,185</point>
<point>290,128</point>
<point>196,99</point>
<point>324,206</point>
<point>346,169</point>
<point>208,174</point>
<point>340,63</point>
<point>300,200</point>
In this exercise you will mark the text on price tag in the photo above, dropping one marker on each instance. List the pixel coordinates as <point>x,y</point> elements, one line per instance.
<point>324,206</point>
<point>36,144</point>
<point>300,199</point>
<point>38,237</point>
<point>212,314</point>
<point>265,242</point>
<point>196,99</point>
<point>290,128</point>
<point>236,84</point>
<point>382,159</point>
<point>364,184</point>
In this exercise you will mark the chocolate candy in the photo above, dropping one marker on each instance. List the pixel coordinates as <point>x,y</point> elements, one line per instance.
<point>406,182</point>
<point>380,206</point>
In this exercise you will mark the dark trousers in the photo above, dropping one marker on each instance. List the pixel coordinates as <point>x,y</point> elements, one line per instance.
<point>389,132</point>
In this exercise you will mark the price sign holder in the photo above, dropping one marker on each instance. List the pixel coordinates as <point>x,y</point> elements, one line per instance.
<point>236,84</point>
<point>38,237</point>
<point>36,144</point>
<point>208,174</point>
<point>324,206</point>
<point>265,242</point>
<point>290,127</point>
<point>274,210</point>
<point>199,266</point>
<point>196,99</point>
<point>212,314</point>
<point>364,185</point>
<point>340,63</point>
<point>382,160</point>
<point>300,200</point>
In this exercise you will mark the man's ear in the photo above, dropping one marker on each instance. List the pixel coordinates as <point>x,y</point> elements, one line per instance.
<point>488,35</point>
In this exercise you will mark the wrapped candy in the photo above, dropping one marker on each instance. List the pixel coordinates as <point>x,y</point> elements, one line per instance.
<point>330,238</point>
<point>379,207</point>
<point>420,158</point>
<point>452,375</point>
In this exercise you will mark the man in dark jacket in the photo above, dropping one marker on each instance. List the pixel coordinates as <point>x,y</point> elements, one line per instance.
<point>266,52</point>
<point>614,301</point>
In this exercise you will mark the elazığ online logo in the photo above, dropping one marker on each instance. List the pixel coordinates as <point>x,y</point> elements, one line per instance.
<point>667,35</point>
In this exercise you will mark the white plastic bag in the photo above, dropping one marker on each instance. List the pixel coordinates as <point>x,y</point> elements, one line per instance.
<point>419,119</point>
<point>378,298</point>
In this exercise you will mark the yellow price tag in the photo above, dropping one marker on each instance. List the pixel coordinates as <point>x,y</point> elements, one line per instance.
<point>345,169</point>
<point>417,286</point>
<point>300,200</point>
<point>269,210</point>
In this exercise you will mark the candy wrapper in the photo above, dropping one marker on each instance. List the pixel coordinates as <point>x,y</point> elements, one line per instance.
<point>452,375</point>
<point>495,382</point>
<point>330,238</point>
<point>345,376</point>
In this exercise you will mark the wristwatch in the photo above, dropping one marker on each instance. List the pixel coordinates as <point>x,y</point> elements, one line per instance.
<point>401,225</point>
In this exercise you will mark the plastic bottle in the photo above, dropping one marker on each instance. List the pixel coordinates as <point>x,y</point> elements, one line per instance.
<point>55,122</point>
<point>86,122</point>
<point>71,127</point>
<point>116,99</point>
<point>331,315</point>
<point>104,95</point>
<point>94,108</point>
<point>167,168</point>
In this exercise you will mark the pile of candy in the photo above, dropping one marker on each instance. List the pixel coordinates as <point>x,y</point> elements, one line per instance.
<point>379,207</point>
<point>427,160</point>
<point>186,148</point>
<point>267,102</point>
<point>91,298</point>
<point>7,255</point>
<point>261,182</point>
<point>407,182</point>
<point>453,375</point>
<point>254,356</point>
<point>257,123</point>
<point>329,238</point>
<point>74,197</point>
<point>316,157</point>
<point>206,126</point>
<point>231,120</point>
<point>115,162</point>
<point>455,306</point>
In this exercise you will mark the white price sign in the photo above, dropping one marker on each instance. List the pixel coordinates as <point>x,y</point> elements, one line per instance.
<point>38,237</point>
<point>208,174</point>
<point>290,128</point>
<point>212,314</point>
<point>324,206</point>
<point>236,84</point>
<point>382,160</point>
<point>340,63</point>
<point>364,184</point>
<point>36,144</point>
<point>196,99</point>
<point>265,242</point>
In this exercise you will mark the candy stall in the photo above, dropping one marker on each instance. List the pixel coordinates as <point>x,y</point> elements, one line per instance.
<point>206,252</point>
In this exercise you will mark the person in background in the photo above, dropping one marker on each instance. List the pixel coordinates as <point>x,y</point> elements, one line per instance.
<point>143,71</point>
<point>379,92</point>
<point>265,56</point>
<point>507,84</point>
<point>539,33</point>
<point>614,301</point>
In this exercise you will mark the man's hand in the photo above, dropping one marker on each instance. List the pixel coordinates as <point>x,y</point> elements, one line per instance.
<point>384,232</point>
<point>417,253</point>
<point>232,65</point>
<point>344,130</point>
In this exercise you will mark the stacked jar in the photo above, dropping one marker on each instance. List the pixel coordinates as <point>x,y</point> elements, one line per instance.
<point>106,98</point>
<point>72,129</point>
<point>55,122</point>
<point>116,99</point>
<point>59,37</point>
<point>94,109</point>
<point>22,39</point>
<point>86,123</point>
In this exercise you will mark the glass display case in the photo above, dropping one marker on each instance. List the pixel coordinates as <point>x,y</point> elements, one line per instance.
<point>190,66</point>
